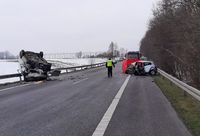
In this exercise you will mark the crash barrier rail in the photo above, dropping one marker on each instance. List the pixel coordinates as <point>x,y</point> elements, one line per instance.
<point>10,76</point>
<point>67,70</point>
<point>78,68</point>
<point>187,88</point>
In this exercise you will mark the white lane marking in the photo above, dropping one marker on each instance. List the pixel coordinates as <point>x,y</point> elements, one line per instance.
<point>102,126</point>
<point>80,81</point>
<point>13,87</point>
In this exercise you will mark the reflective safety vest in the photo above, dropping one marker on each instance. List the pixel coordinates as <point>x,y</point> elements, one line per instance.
<point>109,63</point>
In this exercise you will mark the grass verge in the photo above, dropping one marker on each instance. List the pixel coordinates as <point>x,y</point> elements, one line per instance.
<point>187,107</point>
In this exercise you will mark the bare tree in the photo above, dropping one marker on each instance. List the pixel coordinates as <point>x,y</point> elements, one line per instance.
<point>172,39</point>
<point>79,54</point>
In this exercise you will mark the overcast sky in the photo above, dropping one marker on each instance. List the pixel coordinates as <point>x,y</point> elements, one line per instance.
<point>72,25</point>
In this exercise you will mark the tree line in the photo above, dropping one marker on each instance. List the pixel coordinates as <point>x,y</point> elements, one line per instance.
<point>7,55</point>
<point>112,52</point>
<point>172,40</point>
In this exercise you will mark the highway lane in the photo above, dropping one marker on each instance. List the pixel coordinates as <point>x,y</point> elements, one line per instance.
<point>145,111</point>
<point>59,108</point>
<point>75,104</point>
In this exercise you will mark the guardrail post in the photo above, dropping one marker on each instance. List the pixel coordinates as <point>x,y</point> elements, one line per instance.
<point>162,77</point>
<point>171,83</point>
<point>185,93</point>
<point>20,79</point>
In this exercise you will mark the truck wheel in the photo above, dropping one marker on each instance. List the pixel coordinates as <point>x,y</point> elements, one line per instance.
<point>41,54</point>
<point>22,53</point>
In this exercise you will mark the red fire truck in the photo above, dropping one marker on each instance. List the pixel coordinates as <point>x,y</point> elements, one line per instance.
<point>130,57</point>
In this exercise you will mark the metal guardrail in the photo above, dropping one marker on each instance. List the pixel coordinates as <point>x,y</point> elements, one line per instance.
<point>10,76</point>
<point>77,68</point>
<point>189,89</point>
<point>68,69</point>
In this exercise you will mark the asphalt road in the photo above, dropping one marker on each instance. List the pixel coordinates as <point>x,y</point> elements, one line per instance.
<point>74,104</point>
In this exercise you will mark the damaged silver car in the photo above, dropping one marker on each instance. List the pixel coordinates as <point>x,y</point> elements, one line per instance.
<point>33,66</point>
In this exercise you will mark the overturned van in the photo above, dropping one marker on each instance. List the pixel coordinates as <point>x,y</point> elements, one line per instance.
<point>33,66</point>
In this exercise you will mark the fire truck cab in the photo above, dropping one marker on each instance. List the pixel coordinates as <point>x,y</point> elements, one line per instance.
<point>130,57</point>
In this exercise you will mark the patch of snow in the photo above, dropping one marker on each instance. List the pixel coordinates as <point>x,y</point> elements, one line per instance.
<point>8,67</point>
<point>9,80</point>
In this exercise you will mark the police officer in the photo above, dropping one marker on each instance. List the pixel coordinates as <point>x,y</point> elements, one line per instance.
<point>109,65</point>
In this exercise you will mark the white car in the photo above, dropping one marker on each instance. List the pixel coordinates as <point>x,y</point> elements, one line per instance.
<point>142,68</point>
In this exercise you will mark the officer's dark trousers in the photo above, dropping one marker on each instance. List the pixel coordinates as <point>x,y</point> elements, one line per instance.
<point>109,71</point>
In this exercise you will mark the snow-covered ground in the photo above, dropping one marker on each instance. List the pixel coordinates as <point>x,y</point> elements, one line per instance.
<point>8,67</point>
<point>12,66</point>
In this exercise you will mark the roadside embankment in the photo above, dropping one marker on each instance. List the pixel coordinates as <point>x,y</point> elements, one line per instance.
<point>187,107</point>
